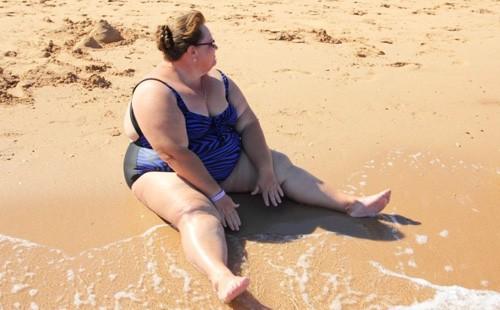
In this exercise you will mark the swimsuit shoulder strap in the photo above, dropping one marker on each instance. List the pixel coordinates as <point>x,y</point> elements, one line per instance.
<point>226,84</point>
<point>180,103</point>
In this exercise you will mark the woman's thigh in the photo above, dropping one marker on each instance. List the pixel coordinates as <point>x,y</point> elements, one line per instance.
<point>169,196</point>
<point>243,177</point>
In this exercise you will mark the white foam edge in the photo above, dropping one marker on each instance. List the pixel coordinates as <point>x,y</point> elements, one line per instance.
<point>447,297</point>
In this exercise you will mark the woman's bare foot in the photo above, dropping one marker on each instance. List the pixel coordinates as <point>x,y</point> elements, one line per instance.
<point>229,287</point>
<point>369,205</point>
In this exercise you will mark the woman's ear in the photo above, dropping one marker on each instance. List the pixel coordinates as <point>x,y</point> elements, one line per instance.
<point>193,53</point>
<point>192,50</point>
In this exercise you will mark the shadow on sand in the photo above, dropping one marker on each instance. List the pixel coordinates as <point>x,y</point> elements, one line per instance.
<point>290,221</point>
<point>294,219</point>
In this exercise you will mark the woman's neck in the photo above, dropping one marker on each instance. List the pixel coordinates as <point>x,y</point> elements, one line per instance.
<point>185,74</point>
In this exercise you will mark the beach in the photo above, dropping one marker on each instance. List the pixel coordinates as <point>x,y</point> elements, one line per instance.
<point>365,95</point>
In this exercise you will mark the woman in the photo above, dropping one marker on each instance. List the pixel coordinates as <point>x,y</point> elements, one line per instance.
<point>195,138</point>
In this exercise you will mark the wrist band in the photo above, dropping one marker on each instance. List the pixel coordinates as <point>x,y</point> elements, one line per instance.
<point>218,196</point>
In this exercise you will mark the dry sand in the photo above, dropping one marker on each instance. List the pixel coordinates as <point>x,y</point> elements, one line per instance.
<point>366,95</point>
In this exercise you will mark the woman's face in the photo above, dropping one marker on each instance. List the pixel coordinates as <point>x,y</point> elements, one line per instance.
<point>206,50</point>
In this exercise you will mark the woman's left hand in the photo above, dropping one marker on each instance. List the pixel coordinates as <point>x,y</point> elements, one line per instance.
<point>268,185</point>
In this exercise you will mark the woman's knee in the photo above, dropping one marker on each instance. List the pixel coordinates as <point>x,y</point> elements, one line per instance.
<point>196,210</point>
<point>281,164</point>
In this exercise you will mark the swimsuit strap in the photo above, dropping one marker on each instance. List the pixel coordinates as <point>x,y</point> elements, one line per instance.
<point>226,84</point>
<point>134,121</point>
<point>180,103</point>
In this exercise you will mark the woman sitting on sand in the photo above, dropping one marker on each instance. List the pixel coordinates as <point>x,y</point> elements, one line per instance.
<point>195,139</point>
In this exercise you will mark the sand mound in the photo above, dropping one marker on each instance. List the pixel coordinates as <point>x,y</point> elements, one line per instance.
<point>324,37</point>
<point>84,34</point>
<point>97,68</point>
<point>88,42</point>
<point>103,32</point>
<point>96,81</point>
<point>8,83</point>
<point>50,49</point>
<point>7,80</point>
<point>294,36</point>
<point>300,35</point>
<point>41,76</point>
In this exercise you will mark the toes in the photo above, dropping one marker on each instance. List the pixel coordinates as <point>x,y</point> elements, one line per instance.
<point>234,289</point>
<point>387,195</point>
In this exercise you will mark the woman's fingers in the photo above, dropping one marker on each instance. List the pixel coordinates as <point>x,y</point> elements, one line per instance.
<point>232,216</point>
<point>277,195</point>
<point>255,191</point>
<point>266,198</point>
<point>280,191</point>
<point>235,220</point>
<point>272,197</point>
<point>231,223</point>
<point>223,221</point>
<point>238,219</point>
<point>227,211</point>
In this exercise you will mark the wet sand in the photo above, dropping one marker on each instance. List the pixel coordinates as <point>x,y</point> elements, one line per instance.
<point>365,96</point>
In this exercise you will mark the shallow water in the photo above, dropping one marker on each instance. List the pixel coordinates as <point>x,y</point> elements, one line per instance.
<point>304,272</point>
<point>304,258</point>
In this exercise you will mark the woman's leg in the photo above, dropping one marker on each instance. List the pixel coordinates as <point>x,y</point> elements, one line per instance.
<point>303,187</point>
<point>198,222</point>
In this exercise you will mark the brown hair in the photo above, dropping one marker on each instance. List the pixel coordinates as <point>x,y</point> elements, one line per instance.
<point>175,39</point>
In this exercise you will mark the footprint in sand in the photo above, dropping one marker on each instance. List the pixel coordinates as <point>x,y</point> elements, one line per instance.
<point>359,12</point>
<point>364,52</point>
<point>288,70</point>
<point>294,36</point>
<point>400,64</point>
<point>6,155</point>
<point>323,37</point>
<point>10,54</point>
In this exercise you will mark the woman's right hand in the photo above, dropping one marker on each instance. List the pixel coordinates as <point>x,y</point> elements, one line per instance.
<point>227,211</point>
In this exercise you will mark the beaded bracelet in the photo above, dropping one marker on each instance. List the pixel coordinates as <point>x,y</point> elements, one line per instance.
<point>218,196</point>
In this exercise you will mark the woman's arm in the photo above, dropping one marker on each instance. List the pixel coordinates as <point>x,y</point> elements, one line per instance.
<point>255,146</point>
<point>163,124</point>
<point>254,141</point>
<point>248,126</point>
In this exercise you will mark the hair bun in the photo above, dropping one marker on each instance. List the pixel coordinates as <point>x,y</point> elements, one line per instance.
<point>175,36</point>
<point>167,37</point>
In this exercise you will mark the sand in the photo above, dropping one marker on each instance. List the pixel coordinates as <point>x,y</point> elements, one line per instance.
<point>365,95</point>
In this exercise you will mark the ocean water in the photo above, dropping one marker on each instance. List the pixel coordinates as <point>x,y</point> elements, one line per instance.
<point>303,272</point>
<point>428,254</point>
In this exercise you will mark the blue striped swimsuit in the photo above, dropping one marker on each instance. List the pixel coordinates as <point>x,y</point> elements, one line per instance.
<point>213,138</point>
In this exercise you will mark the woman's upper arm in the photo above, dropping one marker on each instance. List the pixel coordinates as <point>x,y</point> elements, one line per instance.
<point>245,114</point>
<point>160,119</point>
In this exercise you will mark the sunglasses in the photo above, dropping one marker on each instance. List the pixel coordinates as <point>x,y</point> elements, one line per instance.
<point>211,44</point>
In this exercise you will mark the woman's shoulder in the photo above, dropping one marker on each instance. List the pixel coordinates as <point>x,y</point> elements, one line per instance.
<point>153,92</point>
<point>152,82</point>
<point>220,77</point>
<point>217,73</point>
